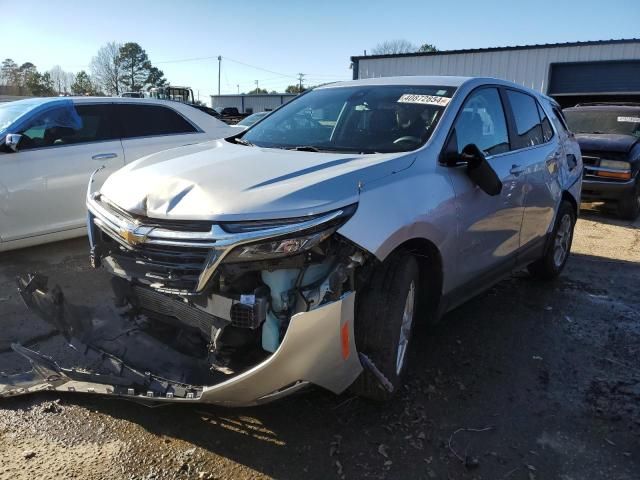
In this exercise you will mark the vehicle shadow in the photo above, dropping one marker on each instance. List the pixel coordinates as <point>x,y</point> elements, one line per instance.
<point>607,215</point>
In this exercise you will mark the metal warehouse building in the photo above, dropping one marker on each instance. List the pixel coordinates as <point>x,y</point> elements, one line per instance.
<point>570,72</point>
<point>251,103</point>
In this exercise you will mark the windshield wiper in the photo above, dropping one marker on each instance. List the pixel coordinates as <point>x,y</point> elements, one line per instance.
<point>311,148</point>
<point>304,148</point>
<point>242,141</point>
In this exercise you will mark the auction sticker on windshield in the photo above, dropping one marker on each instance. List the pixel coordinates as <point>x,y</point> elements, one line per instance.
<point>629,119</point>
<point>424,99</point>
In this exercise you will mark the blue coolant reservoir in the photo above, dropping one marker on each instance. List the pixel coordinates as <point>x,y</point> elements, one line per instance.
<point>280,282</point>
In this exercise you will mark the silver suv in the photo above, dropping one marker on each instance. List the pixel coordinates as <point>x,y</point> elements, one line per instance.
<point>305,249</point>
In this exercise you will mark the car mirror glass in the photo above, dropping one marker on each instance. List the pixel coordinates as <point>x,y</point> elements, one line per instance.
<point>11,141</point>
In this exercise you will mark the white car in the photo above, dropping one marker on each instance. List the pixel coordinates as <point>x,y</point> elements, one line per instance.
<point>50,146</point>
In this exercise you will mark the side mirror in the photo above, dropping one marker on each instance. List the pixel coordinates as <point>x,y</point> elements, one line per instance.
<point>11,141</point>
<point>480,171</point>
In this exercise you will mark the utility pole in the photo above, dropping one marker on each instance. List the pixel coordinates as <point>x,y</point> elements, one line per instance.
<point>219,68</point>
<point>238,86</point>
<point>257,87</point>
<point>300,75</point>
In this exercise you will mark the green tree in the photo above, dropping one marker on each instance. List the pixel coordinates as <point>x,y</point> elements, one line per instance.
<point>295,89</point>
<point>9,72</point>
<point>40,85</point>
<point>155,78</point>
<point>83,84</point>
<point>257,91</point>
<point>427,47</point>
<point>26,72</point>
<point>135,66</point>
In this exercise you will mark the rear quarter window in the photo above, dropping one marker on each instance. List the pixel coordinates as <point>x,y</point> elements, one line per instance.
<point>151,120</point>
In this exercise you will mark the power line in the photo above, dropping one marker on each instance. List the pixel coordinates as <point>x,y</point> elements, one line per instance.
<point>260,68</point>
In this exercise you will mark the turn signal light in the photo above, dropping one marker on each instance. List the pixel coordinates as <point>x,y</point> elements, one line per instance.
<point>618,175</point>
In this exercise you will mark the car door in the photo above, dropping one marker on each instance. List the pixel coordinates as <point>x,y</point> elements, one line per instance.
<point>149,128</point>
<point>488,226</point>
<point>45,181</point>
<point>537,155</point>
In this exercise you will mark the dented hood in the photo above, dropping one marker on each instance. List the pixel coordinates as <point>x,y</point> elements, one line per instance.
<point>223,181</point>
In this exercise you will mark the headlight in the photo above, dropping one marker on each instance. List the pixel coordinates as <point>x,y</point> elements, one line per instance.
<point>287,245</point>
<point>615,164</point>
<point>277,248</point>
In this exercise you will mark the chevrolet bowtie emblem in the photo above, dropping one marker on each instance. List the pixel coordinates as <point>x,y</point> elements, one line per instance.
<point>134,237</point>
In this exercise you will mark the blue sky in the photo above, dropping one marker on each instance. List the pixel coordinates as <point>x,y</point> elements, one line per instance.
<point>287,37</point>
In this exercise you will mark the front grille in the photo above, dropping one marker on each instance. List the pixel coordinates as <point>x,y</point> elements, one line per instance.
<point>598,154</point>
<point>168,268</point>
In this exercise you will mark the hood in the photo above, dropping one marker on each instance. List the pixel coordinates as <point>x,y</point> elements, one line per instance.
<point>224,182</point>
<point>606,142</point>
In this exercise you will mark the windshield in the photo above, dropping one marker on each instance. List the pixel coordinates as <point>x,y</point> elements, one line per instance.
<point>251,119</point>
<point>363,119</point>
<point>619,121</point>
<point>11,111</point>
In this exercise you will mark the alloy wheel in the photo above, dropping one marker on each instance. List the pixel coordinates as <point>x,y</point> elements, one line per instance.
<point>405,328</point>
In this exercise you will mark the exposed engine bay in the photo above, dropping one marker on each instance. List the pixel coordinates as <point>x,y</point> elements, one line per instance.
<point>243,314</point>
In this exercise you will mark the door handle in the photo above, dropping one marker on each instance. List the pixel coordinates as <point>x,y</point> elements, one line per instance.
<point>104,156</point>
<point>572,161</point>
<point>516,170</point>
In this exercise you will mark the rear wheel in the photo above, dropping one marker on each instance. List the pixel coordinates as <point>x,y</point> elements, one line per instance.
<point>385,318</point>
<point>559,246</point>
<point>629,207</point>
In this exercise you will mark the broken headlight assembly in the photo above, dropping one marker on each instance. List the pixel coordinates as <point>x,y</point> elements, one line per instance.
<point>283,247</point>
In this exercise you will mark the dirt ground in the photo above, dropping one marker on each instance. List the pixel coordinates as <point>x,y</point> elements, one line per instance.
<point>528,381</point>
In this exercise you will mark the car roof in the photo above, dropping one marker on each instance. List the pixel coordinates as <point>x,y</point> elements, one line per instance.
<point>436,80</point>
<point>37,101</point>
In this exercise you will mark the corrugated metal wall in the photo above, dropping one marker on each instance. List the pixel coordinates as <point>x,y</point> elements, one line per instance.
<point>253,103</point>
<point>529,67</point>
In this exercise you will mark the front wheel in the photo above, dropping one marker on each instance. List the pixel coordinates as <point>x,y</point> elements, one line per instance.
<point>559,246</point>
<point>384,324</point>
<point>629,207</point>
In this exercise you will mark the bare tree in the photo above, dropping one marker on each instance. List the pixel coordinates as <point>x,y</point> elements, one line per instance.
<point>394,46</point>
<point>62,80</point>
<point>106,68</point>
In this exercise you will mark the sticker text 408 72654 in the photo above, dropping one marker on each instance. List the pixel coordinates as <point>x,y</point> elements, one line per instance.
<point>424,99</point>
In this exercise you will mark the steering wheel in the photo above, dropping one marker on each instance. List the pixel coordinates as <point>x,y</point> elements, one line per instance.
<point>407,138</point>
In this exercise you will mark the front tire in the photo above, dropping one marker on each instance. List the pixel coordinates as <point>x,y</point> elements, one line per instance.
<point>385,318</point>
<point>629,207</point>
<point>559,246</point>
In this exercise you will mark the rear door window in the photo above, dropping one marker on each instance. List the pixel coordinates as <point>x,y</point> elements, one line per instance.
<point>527,120</point>
<point>151,120</point>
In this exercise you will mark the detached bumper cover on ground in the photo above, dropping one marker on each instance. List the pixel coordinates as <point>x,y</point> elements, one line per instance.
<point>318,348</point>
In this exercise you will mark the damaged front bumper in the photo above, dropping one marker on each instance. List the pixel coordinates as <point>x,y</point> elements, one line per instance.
<point>318,348</point>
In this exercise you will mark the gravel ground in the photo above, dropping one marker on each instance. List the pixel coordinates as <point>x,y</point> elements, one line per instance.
<point>528,381</point>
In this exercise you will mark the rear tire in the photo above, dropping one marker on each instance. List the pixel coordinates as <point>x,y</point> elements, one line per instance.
<point>559,247</point>
<point>629,207</point>
<point>385,317</point>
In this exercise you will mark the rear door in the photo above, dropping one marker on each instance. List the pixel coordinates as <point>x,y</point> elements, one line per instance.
<point>45,181</point>
<point>489,226</point>
<point>149,128</point>
<point>537,156</point>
